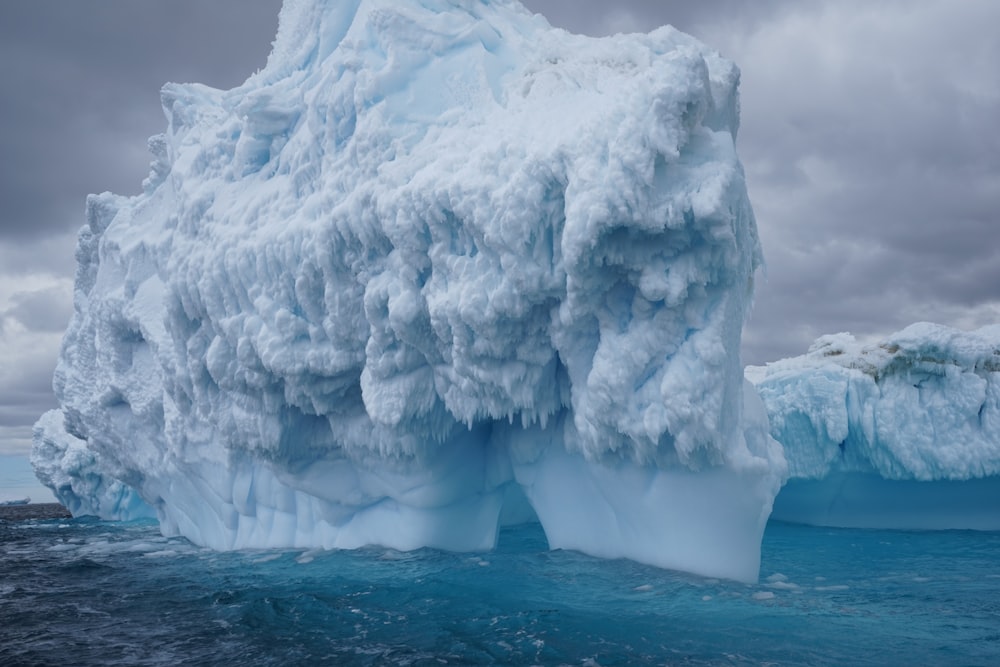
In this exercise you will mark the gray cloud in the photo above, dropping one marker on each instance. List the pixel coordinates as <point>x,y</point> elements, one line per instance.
<point>26,368</point>
<point>81,84</point>
<point>51,255</point>
<point>596,17</point>
<point>872,165</point>
<point>46,309</point>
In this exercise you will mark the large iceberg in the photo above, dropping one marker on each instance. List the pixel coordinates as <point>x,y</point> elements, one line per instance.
<point>904,433</point>
<point>437,265</point>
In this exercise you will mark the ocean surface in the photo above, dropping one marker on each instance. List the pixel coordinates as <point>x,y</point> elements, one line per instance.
<point>85,592</point>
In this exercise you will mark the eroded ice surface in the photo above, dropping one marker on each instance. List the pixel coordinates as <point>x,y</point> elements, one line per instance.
<point>434,256</point>
<point>80,478</point>
<point>904,433</point>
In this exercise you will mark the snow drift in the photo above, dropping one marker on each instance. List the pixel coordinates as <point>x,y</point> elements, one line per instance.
<point>435,258</point>
<point>904,433</point>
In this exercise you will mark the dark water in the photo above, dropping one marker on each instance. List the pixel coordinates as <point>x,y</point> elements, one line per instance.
<point>33,511</point>
<point>81,592</point>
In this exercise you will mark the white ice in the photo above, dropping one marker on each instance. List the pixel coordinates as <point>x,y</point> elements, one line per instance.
<point>904,433</point>
<point>436,263</point>
<point>80,479</point>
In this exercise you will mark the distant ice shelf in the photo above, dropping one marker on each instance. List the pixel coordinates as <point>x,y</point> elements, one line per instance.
<point>904,433</point>
<point>436,264</point>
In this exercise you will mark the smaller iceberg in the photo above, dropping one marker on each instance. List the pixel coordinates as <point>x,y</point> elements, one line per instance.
<point>903,434</point>
<point>15,501</point>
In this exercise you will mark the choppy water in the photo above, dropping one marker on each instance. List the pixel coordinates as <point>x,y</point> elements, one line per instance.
<point>84,592</point>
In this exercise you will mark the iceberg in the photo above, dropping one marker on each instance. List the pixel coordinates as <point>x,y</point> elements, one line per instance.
<point>904,433</point>
<point>437,266</point>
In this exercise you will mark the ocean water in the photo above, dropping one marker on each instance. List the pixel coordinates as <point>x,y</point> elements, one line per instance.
<point>85,592</point>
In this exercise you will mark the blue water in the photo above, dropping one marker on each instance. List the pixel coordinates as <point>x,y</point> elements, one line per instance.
<point>84,592</point>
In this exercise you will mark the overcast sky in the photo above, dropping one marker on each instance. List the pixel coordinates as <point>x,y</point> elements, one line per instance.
<point>869,137</point>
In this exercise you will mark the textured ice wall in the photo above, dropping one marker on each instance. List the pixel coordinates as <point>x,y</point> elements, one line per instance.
<point>80,480</point>
<point>904,433</point>
<point>433,256</point>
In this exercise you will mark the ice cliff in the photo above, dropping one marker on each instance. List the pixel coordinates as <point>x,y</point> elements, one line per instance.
<point>435,260</point>
<point>904,433</point>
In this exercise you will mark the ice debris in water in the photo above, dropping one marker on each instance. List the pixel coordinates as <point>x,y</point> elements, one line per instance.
<point>903,433</point>
<point>437,259</point>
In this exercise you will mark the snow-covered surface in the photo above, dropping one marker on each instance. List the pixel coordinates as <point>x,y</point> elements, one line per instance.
<point>434,251</point>
<point>80,479</point>
<point>923,405</point>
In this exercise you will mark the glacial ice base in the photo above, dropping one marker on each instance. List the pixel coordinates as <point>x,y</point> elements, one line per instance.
<point>707,523</point>
<point>868,500</point>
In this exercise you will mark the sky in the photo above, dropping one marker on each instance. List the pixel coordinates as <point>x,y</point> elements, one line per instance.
<point>869,138</point>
